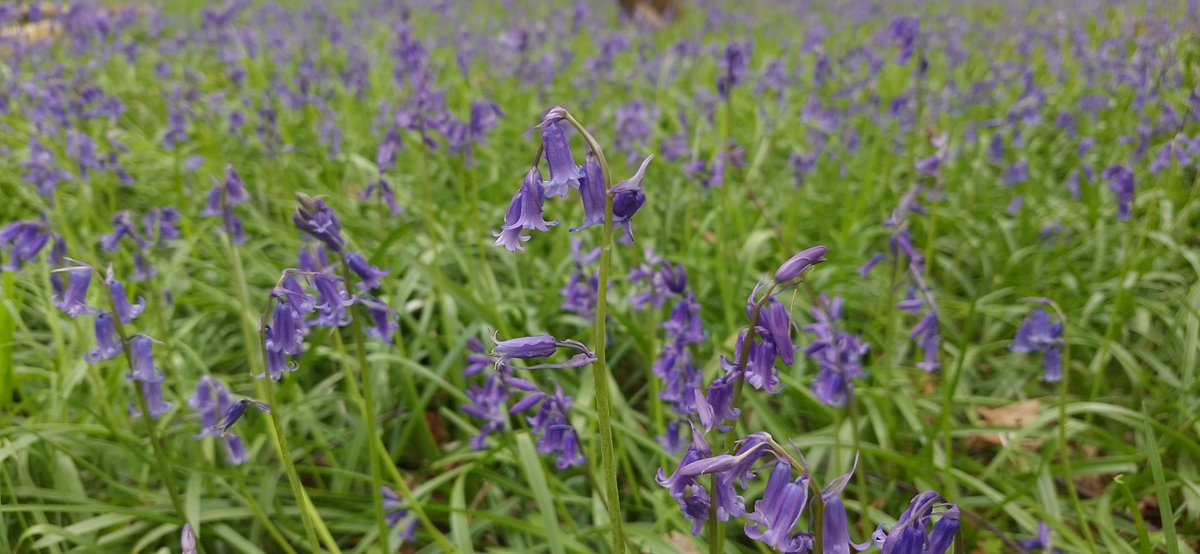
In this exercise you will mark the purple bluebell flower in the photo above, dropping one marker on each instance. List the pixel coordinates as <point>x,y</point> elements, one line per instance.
<point>760,368</point>
<point>369,274</point>
<point>777,321</point>
<point>332,301</point>
<point>477,360</point>
<point>689,494</point>
<point>778,511</point>
<point>628,198</point>
<point>734,64</point>
<point>647,280</point>
<point>148,376</point>
<point>312,260</point>
<point>911,533</point>
<point>539,346</point>
<point>397,516</point>
<point>871,263</point>
<point>20,242</point>
<point>277,362</point>
<point>125,311</point>
<point>383,319</point>
<point>904,31</point>
<point>212,400</point>
<point>108,345</point>
<point>1042,543</point>
<point>510,235</point>
<point>790,270</point>
<point>563,171</point>
<point>555,434</point>
<point>1016,173</point>
<point>591,188</point>
<point>531,199</point>
<point>1121,181</point>
<point>160,225</point>
<point>316,218</point>
<point>926,333</point>
<point>634,127</point>
<point>1072,184</point>
<point>123,226</point>
<point>730,469</point>
<point>74,301</point>
<point>487,403</point>
<point>385,192</point>
<point>579,294</point>
<point>1038,334</point>
<point>838,354</point>
<point>82,149</point>
<point>236,410</point>
<point>716,406</point>
<point>41,169</point>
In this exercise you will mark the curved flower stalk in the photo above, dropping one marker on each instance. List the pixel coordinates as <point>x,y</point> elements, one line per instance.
<point>604,204</point>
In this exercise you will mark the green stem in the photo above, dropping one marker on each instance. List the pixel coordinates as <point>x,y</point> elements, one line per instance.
<point>367,407</point>
<point>1063,452</point>
<point>599,369</point>
<point>260,514</point>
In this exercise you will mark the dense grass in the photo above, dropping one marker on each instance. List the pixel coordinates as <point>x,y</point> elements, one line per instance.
<point>79,474</point>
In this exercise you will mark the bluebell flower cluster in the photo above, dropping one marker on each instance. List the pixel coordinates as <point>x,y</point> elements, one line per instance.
<point>1038,334</point>
<point>489,401</point>
<point>398,518</point>
<point>212,401</point>
<point>838,354</point>
<point>525,210</point>
<point>222,198</point>
<point>21,242</point>
<point>579,294</point>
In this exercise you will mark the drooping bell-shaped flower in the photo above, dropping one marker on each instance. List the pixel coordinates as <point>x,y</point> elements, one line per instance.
<point>510,235</point>
<point>20,242</point>
<point>563,171</point>
<point>332,301</point>
<point>796,265</point>
<point>1038,334</point>
<point>628,198</point>
<point>73,301</point>
<point>531,199</point>
<point>108,345</point>
<point>316,218</point>
<point>368,274</point>
<point>125,311</point>
<point>778,511</point>
<point>591,188</point>
<point>237,410</point>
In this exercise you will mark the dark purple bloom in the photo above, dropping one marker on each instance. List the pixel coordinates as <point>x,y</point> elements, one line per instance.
<point>911,534</point>
<point>796,265</point>
<point>147,375</point>
<point>383,319</point>
<point>123,226</point>
<point>1016,173</point>
<point>871,263</point>
<point>628,198</point>
<point>579,294</point>
<point>904,30</point>
<point>477,360</point>
<point>1121,181</point>
<point>1038,334</point>
<point>555,434</point>
<point>838,354</point>
<point>760,368</point>
<point>591,188</point>
<point>563,171</point>
<point>531,199</point>
<point>332,301</point>
<point>778,323</point>
<point>385,155</point>
<point>235,412</point>
<point>487,403</point>
<point>160,225</point>
<point>687,491</point>
<point>277,362</point>
<point>369,274</point>
<point>397,515</point>
<point>212,400</point>
<point>385,192</point>
<point>778,511</point>
<point>510,236</point>
<point>108,345</point>
<point>21,241</point>
<point>1042,543</point>
<point>925,332</point>
<point>734,64</point>
<point>125,311</point>
<point>717,406</point>
<point>317,219</point>
<point>41,170</point>
<point>74,301</point>
<point>311,261</point>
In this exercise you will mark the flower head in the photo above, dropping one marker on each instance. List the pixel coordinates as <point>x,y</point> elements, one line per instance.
<point>314,217</point>
<point>73,302</point>
<point>369,274</point>
<point>107,344</point>
<point>795,266</point>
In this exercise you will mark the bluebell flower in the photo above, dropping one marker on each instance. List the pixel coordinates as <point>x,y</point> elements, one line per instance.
<point>368,274</point>
<point>160,225</point>
<point>836,529</point>
<point>223,196</point>
<point>236,410</point>
<point>628,198</point>
<point>911,533</point>
<point>777,321</point>
<point>1016,173</point>
<point>555,434</point>
<point>1042,543</point>
<point>1121,181</point>
<point>531,200</point>
<point>316,218</point>
<point>760,368</point>
<point>20,242</point>
<point>332,301</point>
<point>734,64</point>
<point>487,402</point>
<point>385,192</point>
<point>730,470</point>
<point>716,406</point>
<point>510,235</point>
<point>73,302</point>
<point>383,319</point>
<point>148,376</point>
<point>557,148</point>
<point>591,189</point>
<point>477,360</point>
<point>41,169</point>
<point>871,263</point>
<point>795,266</point>
<point>1038,334</point>
<point>397,516</point>
<point>926,333</point>
<point>312,260</point>
<point>580,292</point>
<point>539,346</point>
<point>689,494</point>
<point>108,345</point>
<point>648,282</point>
<point>838,354</point>
<point>212,400</point>
<point>123,226</point>
<point>125,311</point>
<point>277,362</point>
<point>778,511</point>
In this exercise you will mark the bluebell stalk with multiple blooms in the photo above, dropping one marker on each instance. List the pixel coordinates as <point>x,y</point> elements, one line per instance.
<point>550,424</point>
<point>838,354</point>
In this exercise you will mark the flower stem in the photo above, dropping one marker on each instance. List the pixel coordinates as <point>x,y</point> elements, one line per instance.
<point>1063,453</point>
<point>367,407</point>
<point>599,369</point>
